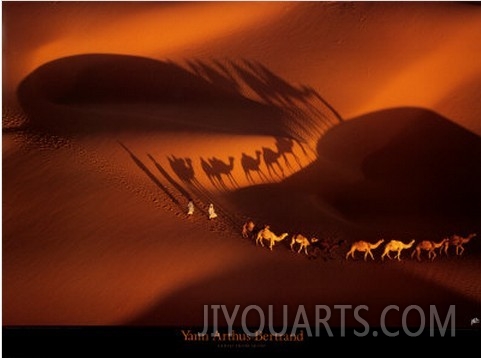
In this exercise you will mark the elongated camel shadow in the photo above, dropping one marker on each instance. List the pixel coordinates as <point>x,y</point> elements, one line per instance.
<point>252,164</point>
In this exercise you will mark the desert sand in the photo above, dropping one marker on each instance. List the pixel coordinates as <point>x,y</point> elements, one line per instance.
<point>342,121</point>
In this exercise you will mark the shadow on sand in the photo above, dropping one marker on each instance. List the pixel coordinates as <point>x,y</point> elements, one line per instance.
<point>90,93</point>
<point>402,169</point>
<point>373,284</point>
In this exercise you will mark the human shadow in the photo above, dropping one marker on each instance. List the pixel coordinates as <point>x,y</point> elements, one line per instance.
<point>149,174</point>
<point>171,180</point>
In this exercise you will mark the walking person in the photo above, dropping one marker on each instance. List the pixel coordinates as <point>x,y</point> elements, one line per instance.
<point>211,211</point>
<point>190,208</point>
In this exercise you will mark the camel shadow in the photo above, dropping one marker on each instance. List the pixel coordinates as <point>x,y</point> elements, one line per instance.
<point>112,93</point>
<point>252,164</point>
<point>216,170</point>
<point>394,170</point>
<point>183,168</point>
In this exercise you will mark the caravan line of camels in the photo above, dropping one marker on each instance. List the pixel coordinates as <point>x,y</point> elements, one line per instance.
<point>314,246</point>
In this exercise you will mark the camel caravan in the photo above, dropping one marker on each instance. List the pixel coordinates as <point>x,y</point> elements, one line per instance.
<point>314,247</point>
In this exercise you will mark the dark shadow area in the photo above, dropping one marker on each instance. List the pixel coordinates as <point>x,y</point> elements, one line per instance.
<point>91,93</point>
<point>400,172</point>
<point>321,283</point>
<point>414,162</point>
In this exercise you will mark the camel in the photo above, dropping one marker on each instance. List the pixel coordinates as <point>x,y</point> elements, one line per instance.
<point>267,234</point>
<point>252,164</point>
<point>363,246</point>
<point>247,229</point>
<point>395,245</point>
<point>302,241</point>
<point>430,247</point>
<point>458,242</point>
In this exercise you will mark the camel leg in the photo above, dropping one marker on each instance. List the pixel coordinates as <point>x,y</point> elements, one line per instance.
<point>351,252</point>
<point>365,255</point>
<point>399,255</point>
<point>386,253</point>
<point>461,250</point>
<point>305,250</point>
<point>300,248</point>
<point>292,244</point>
<point>370,253</point>
<point>433,255</point>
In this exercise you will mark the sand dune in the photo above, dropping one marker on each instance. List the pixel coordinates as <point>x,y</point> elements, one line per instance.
<point>343,121</point>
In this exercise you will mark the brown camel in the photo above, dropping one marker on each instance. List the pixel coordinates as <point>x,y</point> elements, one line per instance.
<point>363,246</point>
<point>429,246</point>
<point>302,241</point>
<point>395,245</point>
<point>458,242</point>
<point>247,229</point>
<point>267,234</point>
